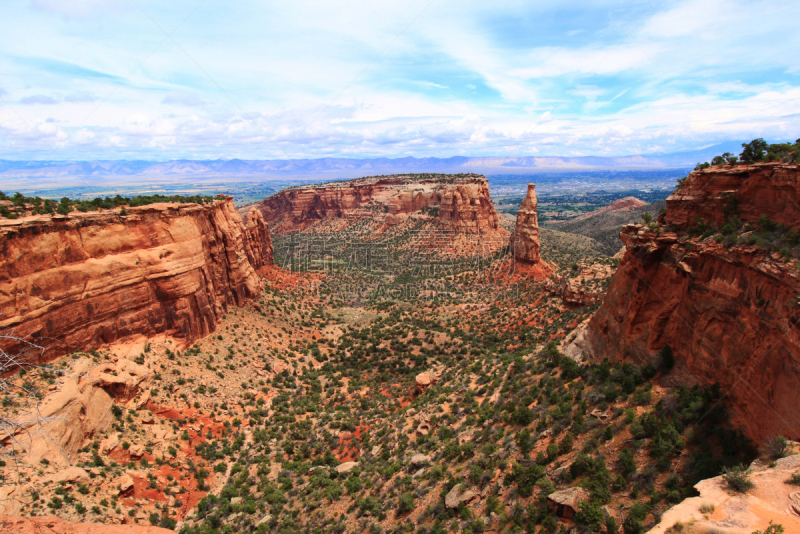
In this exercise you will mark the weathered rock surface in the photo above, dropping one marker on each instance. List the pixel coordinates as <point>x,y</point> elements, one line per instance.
<point>525,239</point>
<point>730,314</point>
<point>463,202</point>
<point>55,525</point>
<point>346,467</point>
<point>763,188</point>
<point>78,411</point>
<point>420,460</point>
<point>572,286</point>
<point>459,494</point>
<point>78,282</point>
<point>736,513</point>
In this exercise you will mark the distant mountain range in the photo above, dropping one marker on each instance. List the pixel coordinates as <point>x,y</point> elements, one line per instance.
<point>59,173</point>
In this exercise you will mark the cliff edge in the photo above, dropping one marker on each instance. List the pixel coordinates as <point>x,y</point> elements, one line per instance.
<point>722,298</point>
<point>78,282</point>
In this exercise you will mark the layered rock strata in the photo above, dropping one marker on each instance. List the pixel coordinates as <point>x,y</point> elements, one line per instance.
<point>460,203</point>
<point>525,239</point>
<point>730,314</point>
<point>89,279</point>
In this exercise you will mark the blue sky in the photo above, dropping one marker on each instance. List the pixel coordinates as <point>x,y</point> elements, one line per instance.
<point>121,79</point>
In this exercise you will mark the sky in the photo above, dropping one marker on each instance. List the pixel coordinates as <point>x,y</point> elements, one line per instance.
<point>208,79</point>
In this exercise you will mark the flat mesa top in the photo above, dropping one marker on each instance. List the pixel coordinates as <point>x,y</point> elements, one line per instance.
<point>396,179</point>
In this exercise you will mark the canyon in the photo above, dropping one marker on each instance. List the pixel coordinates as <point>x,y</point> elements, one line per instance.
<point>728,311</point>
<point>302,392</point>
<point>85,280</point>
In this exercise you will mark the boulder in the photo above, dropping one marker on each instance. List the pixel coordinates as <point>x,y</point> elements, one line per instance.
<point>420,460</point>
<point>125,484</point>
<point>81,408</point>
<point>346,467</point>
<point>72,474</point>
<point>458,495</point>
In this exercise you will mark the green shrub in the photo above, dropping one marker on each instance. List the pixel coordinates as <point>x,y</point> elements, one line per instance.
<point>776,448</point>
<point>738,478</point>
<point>405,503</point>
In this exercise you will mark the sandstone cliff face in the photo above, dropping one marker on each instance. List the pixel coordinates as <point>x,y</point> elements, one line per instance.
<point>467,208</point>
<point>763,188</point>
<point>78,282</point>
<point>730,314</point>
<point>464,202</point>
<point>525,239</point>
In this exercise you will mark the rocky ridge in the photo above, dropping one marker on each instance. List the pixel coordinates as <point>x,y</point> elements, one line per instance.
<point>80,281</point>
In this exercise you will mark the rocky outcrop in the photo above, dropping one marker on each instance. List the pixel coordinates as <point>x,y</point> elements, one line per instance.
<point>763,188</point>
<point>459,495</point>
<point>467,208</point>
<point>55,525</point>
<point>82,281</point>
<point>79,410</point>
<point>718,509</point>
<point>459,202</point>
<point>525,239</point>
<point>579,287</point>
<point>730,314</point>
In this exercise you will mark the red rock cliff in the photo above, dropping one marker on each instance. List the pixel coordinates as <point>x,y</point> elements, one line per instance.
<point>464,202</point>
<point>730,314</point>
<point>763,188</point>
<point>78,282</point>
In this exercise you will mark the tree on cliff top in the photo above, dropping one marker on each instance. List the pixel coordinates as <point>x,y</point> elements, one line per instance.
<point>754,151</point>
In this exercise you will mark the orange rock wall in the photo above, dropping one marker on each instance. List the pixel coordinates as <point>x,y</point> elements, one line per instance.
<point>772,189</point>
<point>78,282</point>
<point>464,202</point>
<point>730,315</point>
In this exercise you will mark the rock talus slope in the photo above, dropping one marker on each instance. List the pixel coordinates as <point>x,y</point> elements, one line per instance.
<point>730,313</point>
<point>525,239</point>
<point>78,282</point>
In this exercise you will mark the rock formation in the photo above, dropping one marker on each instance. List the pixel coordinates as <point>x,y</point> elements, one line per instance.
<point>762,188</point>
<point>580,287</point>
<point>718,509</point>
<point>525,239</point>
<point>463,202</point>
<point>79,410</point>
<point>78,282</point>
<point>730,314</point>
<point>467,208</point>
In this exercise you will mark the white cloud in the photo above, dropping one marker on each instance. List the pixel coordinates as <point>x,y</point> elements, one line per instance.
<point>318,78</point>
